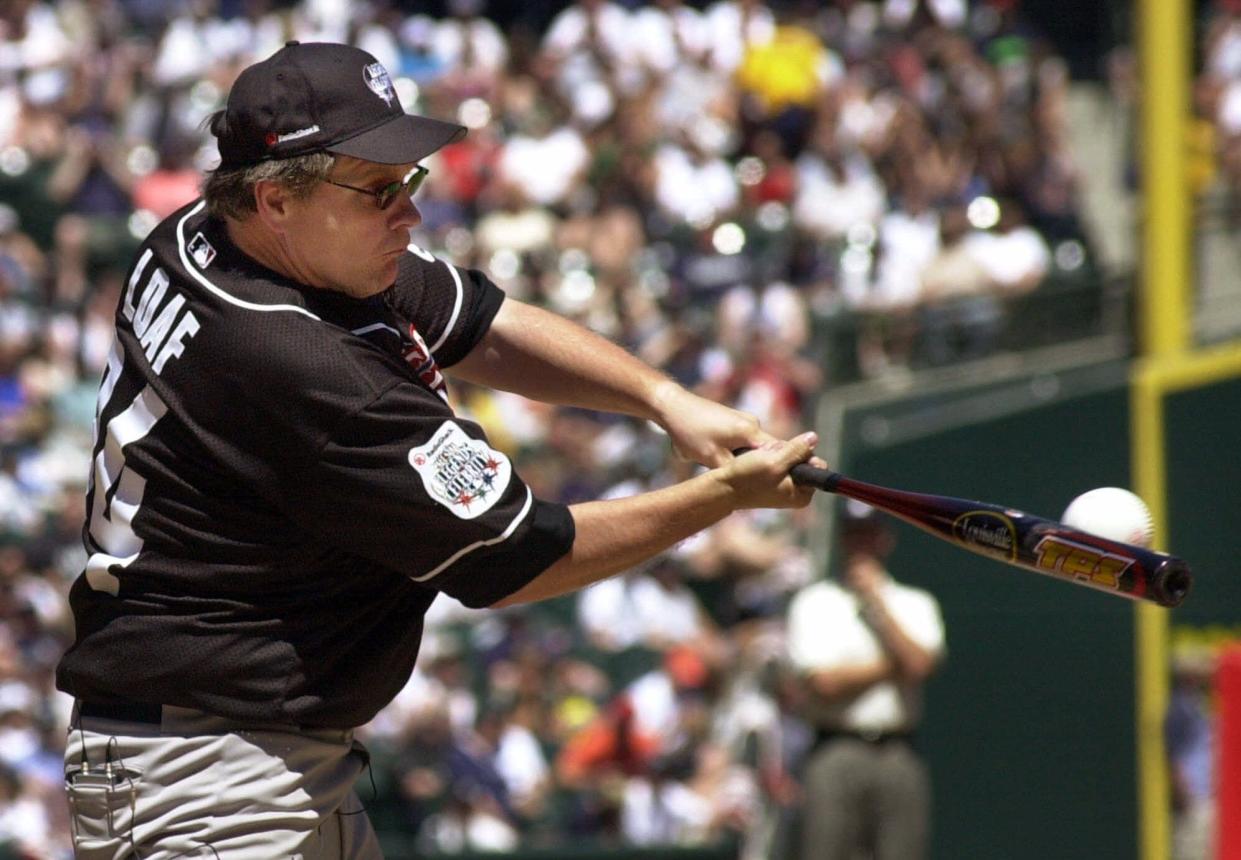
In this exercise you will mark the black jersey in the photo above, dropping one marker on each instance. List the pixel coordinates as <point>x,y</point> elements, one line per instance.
<point>279,487</point>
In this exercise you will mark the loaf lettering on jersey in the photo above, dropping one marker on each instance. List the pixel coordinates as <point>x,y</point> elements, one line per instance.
<point>463,474</point>
<point>162,327</point>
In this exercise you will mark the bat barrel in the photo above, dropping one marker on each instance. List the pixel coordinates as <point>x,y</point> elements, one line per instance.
<point>1034,543</point>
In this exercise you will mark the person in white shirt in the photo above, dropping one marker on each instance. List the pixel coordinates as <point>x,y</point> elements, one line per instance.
<point>1015,256</point>
<point>467,41</point>
<point>732,26</point>
<point>837,189</point>
<point>862,648</point>
<point>908,239</point>
<point>693,184</point>
<point>961,316</point>
<point>544,161</point>
<point>588,51</point>
<point>668,33</point>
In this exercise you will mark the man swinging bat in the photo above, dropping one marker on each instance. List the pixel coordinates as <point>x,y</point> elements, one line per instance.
<point>279,487</point>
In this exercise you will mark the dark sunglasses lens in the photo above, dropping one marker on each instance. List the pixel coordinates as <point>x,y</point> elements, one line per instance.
<point>409,187</point>
<point>388,193</point>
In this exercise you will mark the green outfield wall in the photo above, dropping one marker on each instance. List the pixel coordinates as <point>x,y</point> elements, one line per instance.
<point>1030,726</point>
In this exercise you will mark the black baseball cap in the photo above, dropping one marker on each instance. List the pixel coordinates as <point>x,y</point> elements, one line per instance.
<point>322,97</point>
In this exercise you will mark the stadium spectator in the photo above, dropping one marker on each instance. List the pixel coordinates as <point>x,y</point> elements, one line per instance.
<point>864,647</point>
<point>1190,737</point>
<point>961,313</point>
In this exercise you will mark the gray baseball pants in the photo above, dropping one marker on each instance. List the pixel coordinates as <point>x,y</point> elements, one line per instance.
<point>199,786</point>
<point>865,799</point>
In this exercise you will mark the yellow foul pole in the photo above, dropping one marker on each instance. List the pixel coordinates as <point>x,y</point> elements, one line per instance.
<point>1164,49</point>
<point>1164,333</point>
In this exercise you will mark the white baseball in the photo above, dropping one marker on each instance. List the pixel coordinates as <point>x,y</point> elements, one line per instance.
<point>1112,513</point>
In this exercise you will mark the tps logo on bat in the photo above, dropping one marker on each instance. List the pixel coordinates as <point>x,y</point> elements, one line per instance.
<point>991,533</point>
<point>1079,561</point>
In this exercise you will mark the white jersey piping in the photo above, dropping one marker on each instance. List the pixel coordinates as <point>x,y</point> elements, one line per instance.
<point>503,536</point>
<point>367,329</point>
<point>232,300</point>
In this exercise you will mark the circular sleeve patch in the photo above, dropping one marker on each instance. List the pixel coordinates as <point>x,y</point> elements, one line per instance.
<point>463,474</point>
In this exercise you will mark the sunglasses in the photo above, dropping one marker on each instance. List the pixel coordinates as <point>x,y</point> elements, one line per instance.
<point>384,196</point>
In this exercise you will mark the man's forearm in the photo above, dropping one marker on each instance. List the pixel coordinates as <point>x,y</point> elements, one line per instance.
<point>545,357</point>
<point>614,535</point>
<point>846,682</point>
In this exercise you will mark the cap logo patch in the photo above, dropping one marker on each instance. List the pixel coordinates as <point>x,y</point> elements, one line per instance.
<point>463,474</point>
<point>376,77</point>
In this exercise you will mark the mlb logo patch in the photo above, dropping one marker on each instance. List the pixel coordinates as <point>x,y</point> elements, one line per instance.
<point>376,77</point>
<point>463,474</point>
<point>201,251</point>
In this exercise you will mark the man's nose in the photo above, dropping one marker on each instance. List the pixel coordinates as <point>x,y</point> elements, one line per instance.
<point>405,213</point>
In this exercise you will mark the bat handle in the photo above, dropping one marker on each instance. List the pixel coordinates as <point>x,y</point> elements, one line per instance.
<point>807,475</point>
<point>813,476</point>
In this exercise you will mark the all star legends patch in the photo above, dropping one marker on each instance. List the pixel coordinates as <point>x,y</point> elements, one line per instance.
<point>463,474</point>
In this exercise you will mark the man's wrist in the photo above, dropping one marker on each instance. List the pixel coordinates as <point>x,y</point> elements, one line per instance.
<point>660,401</point>
<point>871,608</point>
<point>725,492</point>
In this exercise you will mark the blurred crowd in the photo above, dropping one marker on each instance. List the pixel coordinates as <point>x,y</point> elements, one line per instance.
<point>1216,130</point>
<point>704,183</point>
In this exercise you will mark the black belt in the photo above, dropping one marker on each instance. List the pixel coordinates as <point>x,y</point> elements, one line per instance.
<point>875,738</point>
<point>124,712</point>
<point>151,714</point>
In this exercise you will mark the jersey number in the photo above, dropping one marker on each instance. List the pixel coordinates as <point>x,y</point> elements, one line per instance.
<point>117,491</point>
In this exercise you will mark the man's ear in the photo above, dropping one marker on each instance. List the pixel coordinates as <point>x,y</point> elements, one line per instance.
<point>274,203</point>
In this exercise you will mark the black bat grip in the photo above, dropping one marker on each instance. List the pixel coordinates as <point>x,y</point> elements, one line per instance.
<point>813,476</point>
<point>807,475</point>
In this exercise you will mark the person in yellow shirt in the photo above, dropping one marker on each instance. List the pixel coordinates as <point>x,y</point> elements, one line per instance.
<point>783,79</point>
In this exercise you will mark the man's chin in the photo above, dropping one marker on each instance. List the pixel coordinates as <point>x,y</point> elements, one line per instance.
<point>383,276</point>
<point>390,268</point>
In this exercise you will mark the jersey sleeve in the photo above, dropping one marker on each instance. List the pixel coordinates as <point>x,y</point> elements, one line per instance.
<point>451,308</point>
<point>422,492</point>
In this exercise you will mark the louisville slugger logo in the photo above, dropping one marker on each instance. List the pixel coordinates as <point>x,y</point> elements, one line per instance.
<point>1080,561</point>
<point>987,531</point>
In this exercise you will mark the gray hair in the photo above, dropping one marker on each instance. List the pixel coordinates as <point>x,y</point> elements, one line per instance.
<point>229,192</point>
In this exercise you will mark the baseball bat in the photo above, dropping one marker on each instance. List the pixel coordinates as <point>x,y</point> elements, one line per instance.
<point>1023,540</point>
